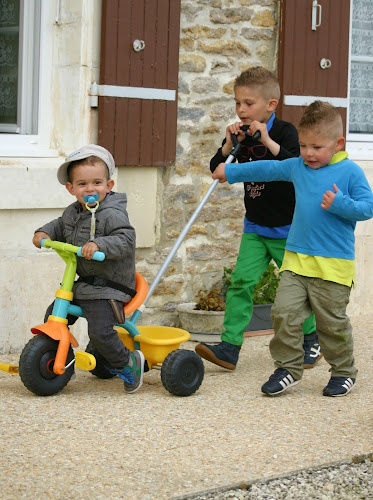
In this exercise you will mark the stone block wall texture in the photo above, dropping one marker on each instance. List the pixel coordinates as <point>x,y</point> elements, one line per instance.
<point>218,40</point>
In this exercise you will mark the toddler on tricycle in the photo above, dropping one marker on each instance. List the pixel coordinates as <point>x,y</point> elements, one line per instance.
<point>96,227</point>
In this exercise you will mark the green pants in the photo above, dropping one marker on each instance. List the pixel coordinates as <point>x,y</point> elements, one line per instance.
<point>254,255</point>
<point>295,296</point>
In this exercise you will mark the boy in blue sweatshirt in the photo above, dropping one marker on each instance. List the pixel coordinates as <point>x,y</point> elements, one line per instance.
<point>318,269</point>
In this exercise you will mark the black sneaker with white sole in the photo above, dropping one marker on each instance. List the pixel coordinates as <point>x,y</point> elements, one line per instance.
<point>278,382</point>
<point>312,350</point>
<point>338,386</point>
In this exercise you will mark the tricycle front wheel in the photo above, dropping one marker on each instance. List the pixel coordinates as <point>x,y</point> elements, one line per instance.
<point>36,366</point>
<point>182,372</point>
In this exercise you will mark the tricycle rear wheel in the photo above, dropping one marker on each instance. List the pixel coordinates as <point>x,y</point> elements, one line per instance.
<point>182,372</point>
<point>36,366</point>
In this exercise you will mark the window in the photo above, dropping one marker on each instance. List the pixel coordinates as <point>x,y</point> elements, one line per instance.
<point>25,75</point>
<point>19,66</point>
<point>9,41</point>
<point>360,116</point>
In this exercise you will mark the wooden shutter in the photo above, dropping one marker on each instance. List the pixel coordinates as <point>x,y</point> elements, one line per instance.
<point>139,131</point>
<point>301,50</point>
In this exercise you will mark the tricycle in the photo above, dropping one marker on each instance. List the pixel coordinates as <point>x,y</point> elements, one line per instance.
<point>48,360</point>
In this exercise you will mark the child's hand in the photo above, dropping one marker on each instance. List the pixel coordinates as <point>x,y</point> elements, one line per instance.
<point>89,249</point>
<point>234,129</point>
<point>262,127</point>
<point>328,198</point>
<point>264,138</point>
<point>219,173</point>
<point>38,237</point>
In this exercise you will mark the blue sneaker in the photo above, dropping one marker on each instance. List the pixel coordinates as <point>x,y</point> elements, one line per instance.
<point>132,376</point>
<point>278,382</point>
<point>223,354</point>
<point>338,386</point>
<point>312,350</point>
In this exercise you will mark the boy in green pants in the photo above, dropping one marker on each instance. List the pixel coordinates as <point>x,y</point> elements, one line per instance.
<point>269,211</point>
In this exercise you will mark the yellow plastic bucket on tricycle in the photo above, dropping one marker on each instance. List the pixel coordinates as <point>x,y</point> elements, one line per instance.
<point>156,342</point>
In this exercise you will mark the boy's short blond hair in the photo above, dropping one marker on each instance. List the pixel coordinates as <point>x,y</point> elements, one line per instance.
<point>322,117</point>
<point>262,79</point>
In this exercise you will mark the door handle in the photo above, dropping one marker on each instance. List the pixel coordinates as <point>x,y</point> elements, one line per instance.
<point>316,7</point>
<point>138,45</point>
<point>325,63</point>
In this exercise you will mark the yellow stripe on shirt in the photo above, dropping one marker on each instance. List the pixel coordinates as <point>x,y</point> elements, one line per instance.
<point>340,271</point>
<point>336,158</point>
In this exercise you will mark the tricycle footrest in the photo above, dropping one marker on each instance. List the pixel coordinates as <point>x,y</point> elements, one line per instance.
<point>85,361</point>
<point>9,368</point>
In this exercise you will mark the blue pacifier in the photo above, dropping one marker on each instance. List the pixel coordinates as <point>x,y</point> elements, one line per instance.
<point>91,198</point>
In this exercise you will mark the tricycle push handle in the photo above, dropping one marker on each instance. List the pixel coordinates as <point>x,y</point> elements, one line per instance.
<point>231,158</point>
<point>257,135</point>
<point>66,247</point>
<point>244,128</point>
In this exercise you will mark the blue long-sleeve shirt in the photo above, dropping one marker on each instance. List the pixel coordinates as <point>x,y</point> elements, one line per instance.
<point>314,230</point>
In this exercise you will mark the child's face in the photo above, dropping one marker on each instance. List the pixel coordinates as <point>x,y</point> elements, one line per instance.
<point>88,180</point>
<point>252,106</point>
<point>317,148</point>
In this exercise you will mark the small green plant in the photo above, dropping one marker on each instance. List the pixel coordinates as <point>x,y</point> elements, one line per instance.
<point>265,290</point>
<point>214,300</point>
<point>264,293</point>
<point>210,300</point>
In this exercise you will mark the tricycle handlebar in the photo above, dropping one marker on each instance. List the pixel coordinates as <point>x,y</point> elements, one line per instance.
<point>67,247</point>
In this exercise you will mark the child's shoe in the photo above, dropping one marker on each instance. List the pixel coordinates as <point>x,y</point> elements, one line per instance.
<point>338,386</point>
<point>132,374</point>
<point>223,354</point>
<point>278,382</point>
<point>312,350</point>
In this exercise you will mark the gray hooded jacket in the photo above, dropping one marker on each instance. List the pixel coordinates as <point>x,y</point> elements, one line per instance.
<point>114,236</point>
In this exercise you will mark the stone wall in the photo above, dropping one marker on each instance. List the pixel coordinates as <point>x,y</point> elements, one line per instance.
<point>218,39</point>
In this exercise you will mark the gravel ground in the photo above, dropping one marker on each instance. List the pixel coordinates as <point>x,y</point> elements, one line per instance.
<point>92,441</point>
<point>352,481</point>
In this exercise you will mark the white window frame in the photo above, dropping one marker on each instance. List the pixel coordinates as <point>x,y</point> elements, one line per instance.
<point>28,70</point>
<point>359,146</point>
<point>34,66</point>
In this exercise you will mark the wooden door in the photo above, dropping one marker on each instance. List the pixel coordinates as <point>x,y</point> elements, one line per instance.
<point>313,55</point>
<point>139,55</point>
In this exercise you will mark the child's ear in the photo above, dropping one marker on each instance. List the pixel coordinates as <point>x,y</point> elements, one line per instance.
<point>341,141</point>
<point>69,187</point>
<point>110,185</point>
<point>272,104</point>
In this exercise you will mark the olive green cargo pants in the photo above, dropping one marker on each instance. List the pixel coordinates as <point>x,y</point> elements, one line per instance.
<point>296,297</point>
